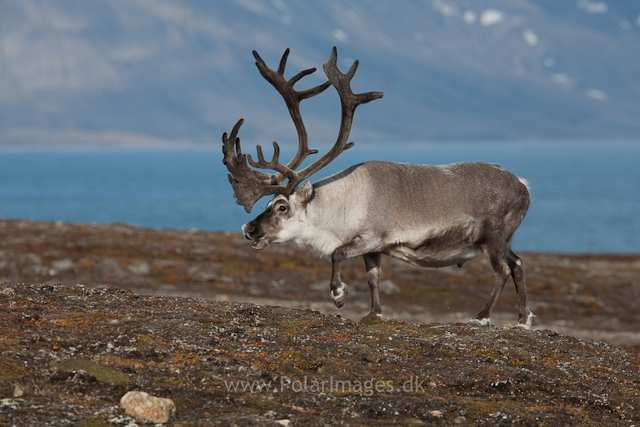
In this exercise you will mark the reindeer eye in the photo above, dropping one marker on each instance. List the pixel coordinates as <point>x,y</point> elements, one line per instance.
<point>282,208</point>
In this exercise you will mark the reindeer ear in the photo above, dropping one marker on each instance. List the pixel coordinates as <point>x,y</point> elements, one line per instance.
<point>305,193</point>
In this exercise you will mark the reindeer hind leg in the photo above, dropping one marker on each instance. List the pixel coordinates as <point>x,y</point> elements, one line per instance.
<point>525,316</point>
<point>501,272</point>
<point>373,262</point>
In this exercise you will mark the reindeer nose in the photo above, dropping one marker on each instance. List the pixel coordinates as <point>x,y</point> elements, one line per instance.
<point>247,229</point>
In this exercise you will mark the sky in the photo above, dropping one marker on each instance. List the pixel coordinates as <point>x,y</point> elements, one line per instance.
<point>171,72</point>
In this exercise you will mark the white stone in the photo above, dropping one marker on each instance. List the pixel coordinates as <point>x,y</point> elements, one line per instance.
<point>18,391</point>
<point>146,407</point>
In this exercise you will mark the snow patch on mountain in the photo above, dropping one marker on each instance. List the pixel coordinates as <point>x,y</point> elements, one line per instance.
<point>596,94</point>
<point>491,17</point>
<point>470,17</point>
<point>530,37</point>
<point>593,7</point>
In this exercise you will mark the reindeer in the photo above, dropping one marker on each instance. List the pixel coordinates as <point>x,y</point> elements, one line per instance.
<point>429,216</point>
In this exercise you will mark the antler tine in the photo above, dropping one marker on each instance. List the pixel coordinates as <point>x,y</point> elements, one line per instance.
<point>231,145</point>
<point>301,74</point>
<point>352,70</point>
<point>261,163</point>
<point>283,61</point>
<point>274,164</point>
<point>234,131</point>
<point>342,82</point>
<point>314,90</point>
<point>349,102</point>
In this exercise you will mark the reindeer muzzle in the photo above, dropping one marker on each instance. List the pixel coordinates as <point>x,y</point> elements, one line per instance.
<point>259,241</point>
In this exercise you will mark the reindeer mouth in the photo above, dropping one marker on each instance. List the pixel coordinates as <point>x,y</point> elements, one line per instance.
<point>260,244</point>
<point>259,241</point>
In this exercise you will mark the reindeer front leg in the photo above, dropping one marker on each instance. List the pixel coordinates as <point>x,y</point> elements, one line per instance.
<point>356,247</point>
<point>338,288</point>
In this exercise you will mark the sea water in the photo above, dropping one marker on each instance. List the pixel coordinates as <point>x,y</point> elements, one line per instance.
<point>585,195</point>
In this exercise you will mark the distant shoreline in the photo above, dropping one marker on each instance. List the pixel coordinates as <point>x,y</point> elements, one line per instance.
<point>238,233</point>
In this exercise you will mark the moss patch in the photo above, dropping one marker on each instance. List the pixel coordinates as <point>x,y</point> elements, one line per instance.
<point>102,373</point>
<point>10,368</point>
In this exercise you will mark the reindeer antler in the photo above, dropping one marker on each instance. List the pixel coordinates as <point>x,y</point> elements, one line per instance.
<point>292,98</point>
<point>250,184</point>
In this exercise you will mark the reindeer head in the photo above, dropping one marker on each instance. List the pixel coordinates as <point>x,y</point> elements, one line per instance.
<point>250,185</point>
<point>281,221</point>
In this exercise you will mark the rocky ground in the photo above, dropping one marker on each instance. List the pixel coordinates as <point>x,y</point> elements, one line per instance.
<point>239,337</point>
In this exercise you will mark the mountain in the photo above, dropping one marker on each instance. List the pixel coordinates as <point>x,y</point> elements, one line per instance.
<point>169,71</point>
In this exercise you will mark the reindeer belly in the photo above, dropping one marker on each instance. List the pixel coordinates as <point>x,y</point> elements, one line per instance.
<point>430,257</point>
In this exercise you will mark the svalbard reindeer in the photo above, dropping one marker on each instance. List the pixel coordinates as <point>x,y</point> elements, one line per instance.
<point>430,216</point>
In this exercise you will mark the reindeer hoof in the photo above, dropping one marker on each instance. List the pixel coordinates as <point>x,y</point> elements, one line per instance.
<point>527,323</point>
<point>339,295</point>
<point>480,322</point>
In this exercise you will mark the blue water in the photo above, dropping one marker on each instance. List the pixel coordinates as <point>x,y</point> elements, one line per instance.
<point>585,196</point>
